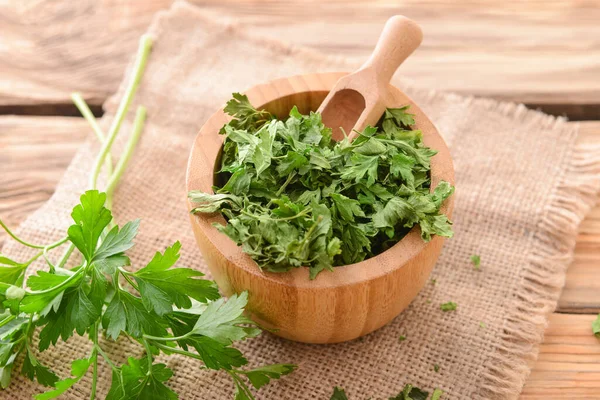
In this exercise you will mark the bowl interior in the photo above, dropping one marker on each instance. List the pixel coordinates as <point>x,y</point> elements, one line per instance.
<point>307,92</point>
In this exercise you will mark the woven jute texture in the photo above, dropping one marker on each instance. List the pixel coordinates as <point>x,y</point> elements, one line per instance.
<point>523,186</point>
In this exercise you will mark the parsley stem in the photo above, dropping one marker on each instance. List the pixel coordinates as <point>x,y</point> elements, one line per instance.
<point>32,259</point>
<point>94,338</point>
<point>50,265</point>
<point>89,117</point>
<point>138,125</point>
<point>106,358</point>
<point>126,274</point>
<point>300,214</point>
<point>241,385</point>
<point>59,286</point>
<point>167,339</point>
<point>138,69</point>
<point>149,355</point>
<point>25,243</point>
<point>7,320</point>
<point>177,351</point>
<point>287,182</point>
<point>66,255</point>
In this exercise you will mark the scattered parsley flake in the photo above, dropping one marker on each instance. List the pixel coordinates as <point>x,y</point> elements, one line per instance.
<point>433,281</point>
<point>409,392</point>
<point>338,394</point>
<point>401,338</point>
<point>436,368</point>
<point>476,260</point>
<point>596,327</point>
<point>449,306</point>
<point>482,325</point>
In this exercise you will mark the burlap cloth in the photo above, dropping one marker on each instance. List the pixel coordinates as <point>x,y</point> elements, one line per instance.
<point>523,186</point>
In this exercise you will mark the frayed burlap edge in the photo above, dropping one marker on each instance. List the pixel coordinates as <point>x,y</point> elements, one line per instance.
<point>536,297</point>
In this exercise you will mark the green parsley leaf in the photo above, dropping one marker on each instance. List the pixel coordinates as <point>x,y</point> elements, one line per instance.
<point>127,313</point>
<point>245,114</point>
<point>78,370</point>
<point>91,217</point>
<point>117,240</point>
<point>221,320</point>
<point>436,368</point>
<point>449,306</point>
<point>216,355</point>
<point>401,338</point>
<point>400,115</point>
<point>135,380</point>
<point>348,208</point>
<point>56,325</point>
<point>161,285</point>
<point>361,166</point>
<point>11,271</point>
<point>81,312</point>
<point>32,368</point>
<point>263,375</point>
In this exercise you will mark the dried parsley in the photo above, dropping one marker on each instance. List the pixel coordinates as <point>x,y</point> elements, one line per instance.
<point>476,260</point>
<point>449,306</point>
<point>294,197</point>
<point>596,327</point>
<point>409,392</point>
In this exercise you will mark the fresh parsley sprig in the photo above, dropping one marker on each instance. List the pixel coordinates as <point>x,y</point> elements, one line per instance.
<point>165,308</point>
<point>294,197</point>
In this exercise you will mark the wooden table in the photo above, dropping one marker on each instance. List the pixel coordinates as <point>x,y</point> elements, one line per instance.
<point>544,54</point>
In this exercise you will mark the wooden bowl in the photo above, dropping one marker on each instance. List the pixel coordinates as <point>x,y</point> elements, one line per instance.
<point>337,306</point>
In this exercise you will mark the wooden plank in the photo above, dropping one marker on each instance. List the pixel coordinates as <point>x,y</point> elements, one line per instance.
<point>34,153</point>
<point>581,293</point>
<point>49,49</point>
<point>544,54</point>
<point>569,361</point>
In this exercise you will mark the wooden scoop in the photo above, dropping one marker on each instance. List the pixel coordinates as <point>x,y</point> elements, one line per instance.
<point>360,98</point>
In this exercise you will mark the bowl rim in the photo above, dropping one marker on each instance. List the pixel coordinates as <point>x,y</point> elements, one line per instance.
<point>205,151</point>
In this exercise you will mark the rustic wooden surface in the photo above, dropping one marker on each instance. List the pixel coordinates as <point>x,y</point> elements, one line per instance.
<point>545,54</point>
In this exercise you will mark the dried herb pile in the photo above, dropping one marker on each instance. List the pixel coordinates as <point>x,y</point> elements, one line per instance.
<point>293,197</point>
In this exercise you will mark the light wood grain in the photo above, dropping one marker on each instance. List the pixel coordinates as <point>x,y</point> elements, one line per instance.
<point>34,153</point>
<point>568,365</point>
<point>348,302</point>
<point>544,54</point>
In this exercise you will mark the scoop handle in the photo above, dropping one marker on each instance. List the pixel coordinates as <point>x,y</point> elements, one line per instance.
<point>400,37</point>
